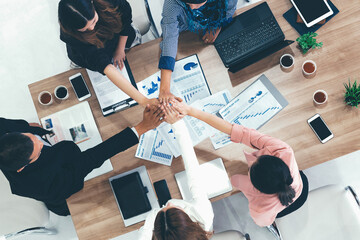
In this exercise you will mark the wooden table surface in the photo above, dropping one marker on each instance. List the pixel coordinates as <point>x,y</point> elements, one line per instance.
<point>94,210</point>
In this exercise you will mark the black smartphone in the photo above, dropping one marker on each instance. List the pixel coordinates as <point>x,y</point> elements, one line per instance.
<point>162,192</point>
<point>320,128</point>
<point>80,88</point>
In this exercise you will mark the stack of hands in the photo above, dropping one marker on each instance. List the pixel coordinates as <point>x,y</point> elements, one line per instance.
<point>169,111</point>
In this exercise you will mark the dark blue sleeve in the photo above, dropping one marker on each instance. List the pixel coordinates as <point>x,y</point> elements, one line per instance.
<point>167,62</point>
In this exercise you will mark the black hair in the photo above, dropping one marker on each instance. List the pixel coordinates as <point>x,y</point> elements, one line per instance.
<point>74,14</point>
<point>15,151</point>
<point>270,175</point>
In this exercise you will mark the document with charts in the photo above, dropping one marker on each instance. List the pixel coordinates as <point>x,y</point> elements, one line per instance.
<point>76,124</point>
<point>213,104</point>
<point>256,105</point>
<point>189,83</point>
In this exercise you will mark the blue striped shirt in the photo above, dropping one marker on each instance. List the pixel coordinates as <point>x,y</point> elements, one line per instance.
<point>174,20</point>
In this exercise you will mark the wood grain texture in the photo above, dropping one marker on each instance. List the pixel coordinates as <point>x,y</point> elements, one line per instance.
<point>94,210</point>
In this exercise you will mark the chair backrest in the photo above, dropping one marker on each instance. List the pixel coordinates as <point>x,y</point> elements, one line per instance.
<point>228,235</point>
<point>139,15</point>
<point>330,212</point>
<point>19,213</point>
<point>155,8</point>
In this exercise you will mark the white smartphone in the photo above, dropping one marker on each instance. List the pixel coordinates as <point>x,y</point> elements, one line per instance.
<point>320,128</point>
<point>312,11</point>
<point>78,83</point>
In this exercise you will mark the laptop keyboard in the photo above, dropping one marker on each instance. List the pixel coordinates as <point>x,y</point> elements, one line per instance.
<point>248,41</point>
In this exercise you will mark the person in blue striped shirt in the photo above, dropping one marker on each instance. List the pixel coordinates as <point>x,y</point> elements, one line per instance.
<point>205,17</point>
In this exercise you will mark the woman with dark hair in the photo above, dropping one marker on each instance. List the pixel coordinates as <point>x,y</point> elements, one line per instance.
<point>180,219</point>
<point>96,33</point>
<point>205,17</point>
<point>274,185</point>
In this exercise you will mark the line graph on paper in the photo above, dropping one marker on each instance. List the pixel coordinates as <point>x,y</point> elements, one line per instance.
<point>254,115</point>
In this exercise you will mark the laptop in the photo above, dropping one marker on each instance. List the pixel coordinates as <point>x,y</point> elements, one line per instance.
<point>250,37</point>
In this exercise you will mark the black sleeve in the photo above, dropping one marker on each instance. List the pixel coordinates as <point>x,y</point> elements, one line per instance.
<point>126,16</point>
<point>86,55</point>
<point>10,125</point>
<point>94,157</point>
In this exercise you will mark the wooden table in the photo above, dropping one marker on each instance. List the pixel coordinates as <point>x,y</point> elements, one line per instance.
<point>94,210</point>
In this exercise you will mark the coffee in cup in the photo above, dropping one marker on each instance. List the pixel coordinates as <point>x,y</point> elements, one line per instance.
<point>287,62</point>
<point>309,68</point>
<point>320,97</point>
<point>45,98</point>
<point>61,92</point>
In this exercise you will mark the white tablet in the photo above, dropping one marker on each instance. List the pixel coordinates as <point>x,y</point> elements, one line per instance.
<point>312,11</point>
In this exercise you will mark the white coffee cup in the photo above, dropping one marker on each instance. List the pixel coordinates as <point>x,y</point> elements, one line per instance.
<point>309,68</point>
<point>45,98</point>
<point>59,95</point>
<point>284,62</point>
<point>320,97</point>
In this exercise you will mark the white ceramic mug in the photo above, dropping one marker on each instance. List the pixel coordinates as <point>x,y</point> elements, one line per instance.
<point>42,98</point>
<point>287,68</point>
<point>61,98</point>
<point>320,97</point>
<point>309,73</point>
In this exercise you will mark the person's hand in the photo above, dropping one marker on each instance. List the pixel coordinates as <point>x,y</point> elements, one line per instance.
<point>210,36</point>
<point>35,125</point>
<point>153,102</point>
<point>152,117</point>
<point>180,107</point>
<point>171,115</point>
<point>166,96</point>
<point>119,58</point>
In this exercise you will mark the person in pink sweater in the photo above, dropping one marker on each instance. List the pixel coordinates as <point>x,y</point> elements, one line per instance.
<point>273,184</point>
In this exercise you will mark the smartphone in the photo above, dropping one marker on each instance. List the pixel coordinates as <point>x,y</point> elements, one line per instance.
<point>80,88</point>
<point>162,192</point>
<point>320,128</point>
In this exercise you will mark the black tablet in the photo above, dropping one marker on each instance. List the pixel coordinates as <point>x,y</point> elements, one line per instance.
<point>312,11</point>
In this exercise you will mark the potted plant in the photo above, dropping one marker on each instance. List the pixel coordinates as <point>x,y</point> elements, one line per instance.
<point>308,41</point>
<point>352,94</point>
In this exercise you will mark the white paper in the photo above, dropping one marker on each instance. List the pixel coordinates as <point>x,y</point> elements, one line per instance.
<point>76,124</point>
<point>213,104</point>
<point>252,108</point>
<point>187,82</point>
<point>214,175</point>
<point>106,91</point>
<point>152,147</point>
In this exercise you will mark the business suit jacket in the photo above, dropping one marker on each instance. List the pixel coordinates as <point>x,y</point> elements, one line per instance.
<point>60,170</point>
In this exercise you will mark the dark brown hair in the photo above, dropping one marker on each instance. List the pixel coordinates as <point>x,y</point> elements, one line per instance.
<point>175,224</point>
<point>74,15</point>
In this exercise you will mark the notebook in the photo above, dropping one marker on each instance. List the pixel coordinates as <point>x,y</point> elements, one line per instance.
<point>250,37</point>
<point>134,195</point>
<point>130,194</point>
<point>215,176</point>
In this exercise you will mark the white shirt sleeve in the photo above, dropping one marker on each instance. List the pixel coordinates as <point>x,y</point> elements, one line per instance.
<point>136,133</point>
<point>201,203</point>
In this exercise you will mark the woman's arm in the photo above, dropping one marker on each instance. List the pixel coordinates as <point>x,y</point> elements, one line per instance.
<point>214,121</point>
<point>119,54</point>
<point>121,82</point>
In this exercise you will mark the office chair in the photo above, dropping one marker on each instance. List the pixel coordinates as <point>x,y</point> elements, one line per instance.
<point>20,215</point>
<point>330,212</point>
<point>139,15</point>
<point>155,8</point>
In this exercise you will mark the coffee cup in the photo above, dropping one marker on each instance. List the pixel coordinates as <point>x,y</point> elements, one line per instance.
<point>287,62</point>
<point>309,68</point>
<point>320,98</point>
<point>45,98</point>
<point>61,92</point>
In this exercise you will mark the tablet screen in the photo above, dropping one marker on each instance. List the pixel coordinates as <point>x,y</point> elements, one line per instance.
<point>311,9</point>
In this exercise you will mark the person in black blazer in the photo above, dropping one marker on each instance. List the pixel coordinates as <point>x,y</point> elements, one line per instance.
<point>51,174</point>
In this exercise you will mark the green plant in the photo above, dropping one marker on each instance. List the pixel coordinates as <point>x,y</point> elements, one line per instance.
<point>307,41</point>
<point>352,94</point>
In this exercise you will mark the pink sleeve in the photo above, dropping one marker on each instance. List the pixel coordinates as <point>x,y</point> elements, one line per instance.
<point>263,219</point>
<point>241,182</point>
<point>255,139</point>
